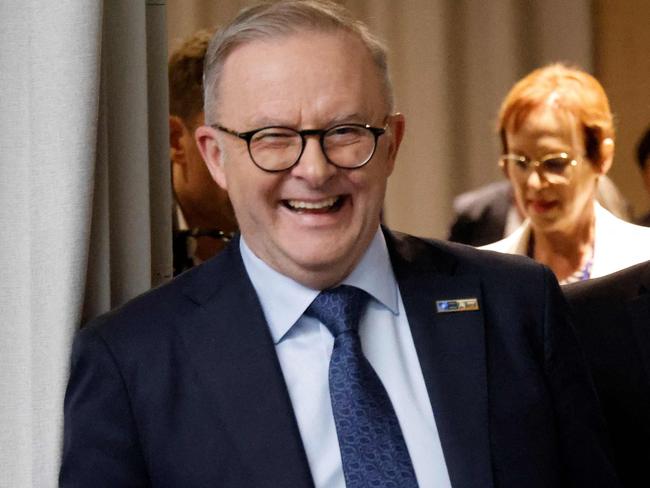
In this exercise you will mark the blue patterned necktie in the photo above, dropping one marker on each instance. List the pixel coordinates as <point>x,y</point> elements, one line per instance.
<point>373,450</point>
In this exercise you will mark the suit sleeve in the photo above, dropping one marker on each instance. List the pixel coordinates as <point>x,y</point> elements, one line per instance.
<point>100,442</point>
<point>581,428</point>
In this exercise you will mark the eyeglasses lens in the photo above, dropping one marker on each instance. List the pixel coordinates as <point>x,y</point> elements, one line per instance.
<point>556,165</point>
<point>348,146</point>
<point>275,148</point>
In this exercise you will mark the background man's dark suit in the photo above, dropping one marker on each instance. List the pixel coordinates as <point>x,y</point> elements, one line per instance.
<point>182,386</point>
<point>481,214</point>
<point>612,317</point>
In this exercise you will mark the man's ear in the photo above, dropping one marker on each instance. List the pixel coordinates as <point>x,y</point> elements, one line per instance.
<point>176,131</point>
<point>396,127</point>
<point>206,141</point>
<point>607,155</point>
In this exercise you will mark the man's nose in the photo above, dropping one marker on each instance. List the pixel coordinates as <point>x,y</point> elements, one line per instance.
<point>313,165</point>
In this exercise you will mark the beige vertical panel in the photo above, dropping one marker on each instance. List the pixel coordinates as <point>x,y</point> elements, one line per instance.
<point>563,31</point>
<point>419,193</point>
<point>623,66</point>
<point>483,61</point>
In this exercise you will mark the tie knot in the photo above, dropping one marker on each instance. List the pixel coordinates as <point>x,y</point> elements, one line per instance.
<point>339,309</point>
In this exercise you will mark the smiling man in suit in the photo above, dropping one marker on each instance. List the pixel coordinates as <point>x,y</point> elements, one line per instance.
<point>319,349</point>
<point>612,318</point>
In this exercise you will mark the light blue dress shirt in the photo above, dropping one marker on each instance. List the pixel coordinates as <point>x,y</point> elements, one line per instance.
<point>304,347</point>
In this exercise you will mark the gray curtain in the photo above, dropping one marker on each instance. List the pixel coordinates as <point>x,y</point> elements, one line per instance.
<point>84,198</point>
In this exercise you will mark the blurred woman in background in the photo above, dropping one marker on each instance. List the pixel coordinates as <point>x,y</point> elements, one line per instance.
<point>557,138</point>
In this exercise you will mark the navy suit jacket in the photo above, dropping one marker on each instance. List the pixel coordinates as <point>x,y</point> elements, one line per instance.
<point>182,386</point>
<point>612,318</point>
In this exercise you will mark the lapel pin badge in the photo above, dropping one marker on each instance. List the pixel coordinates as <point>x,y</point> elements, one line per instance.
<point>457,305</point>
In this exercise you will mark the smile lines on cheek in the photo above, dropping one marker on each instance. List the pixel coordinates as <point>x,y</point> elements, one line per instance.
<point>331,204</point>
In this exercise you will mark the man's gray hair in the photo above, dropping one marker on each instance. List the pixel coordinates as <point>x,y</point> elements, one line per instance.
<point>284,18</point>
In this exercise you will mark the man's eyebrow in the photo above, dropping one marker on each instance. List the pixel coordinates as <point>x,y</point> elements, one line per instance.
<point>269,121</point>
<point>353,117</point>
<point>256,123</point>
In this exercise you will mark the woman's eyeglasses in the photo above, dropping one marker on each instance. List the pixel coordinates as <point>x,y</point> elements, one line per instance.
<point>554,167</point>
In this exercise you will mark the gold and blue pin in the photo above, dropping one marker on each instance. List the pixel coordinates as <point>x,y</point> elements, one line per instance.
<point>457,305</point>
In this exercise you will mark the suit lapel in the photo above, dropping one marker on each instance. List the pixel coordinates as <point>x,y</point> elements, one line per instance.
<point>451,350</point>
<point>234,356</point>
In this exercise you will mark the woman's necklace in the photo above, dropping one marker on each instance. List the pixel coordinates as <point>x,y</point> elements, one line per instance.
<point>582,273</point>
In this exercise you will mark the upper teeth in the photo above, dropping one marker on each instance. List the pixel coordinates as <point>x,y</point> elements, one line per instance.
<point>313,205</point>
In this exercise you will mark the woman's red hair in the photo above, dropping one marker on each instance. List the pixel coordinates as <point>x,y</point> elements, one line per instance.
<point>574,91</point>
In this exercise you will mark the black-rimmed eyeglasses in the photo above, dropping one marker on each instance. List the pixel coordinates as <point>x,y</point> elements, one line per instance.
<point>274,148</point>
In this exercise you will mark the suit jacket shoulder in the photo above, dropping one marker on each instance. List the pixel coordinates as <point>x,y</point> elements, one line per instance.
<point>182,387</point>
<point>455,258</point>
<point>612,317</point>
<point>621,285</point>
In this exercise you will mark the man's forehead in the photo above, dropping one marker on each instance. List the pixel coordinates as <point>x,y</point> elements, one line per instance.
<point>306,37</point>
<point>316,69</point>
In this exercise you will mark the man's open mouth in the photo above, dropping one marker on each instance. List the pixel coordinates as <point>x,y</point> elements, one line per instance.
<point>326,205</point>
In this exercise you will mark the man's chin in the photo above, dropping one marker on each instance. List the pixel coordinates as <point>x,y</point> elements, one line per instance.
<point>322,263</point>
<point>317,267</point>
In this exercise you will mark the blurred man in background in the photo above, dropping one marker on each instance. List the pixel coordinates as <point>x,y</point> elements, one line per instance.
<point>203,217</point>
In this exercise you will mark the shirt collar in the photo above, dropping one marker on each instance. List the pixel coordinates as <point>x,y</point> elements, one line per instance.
<point>284,300</point>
